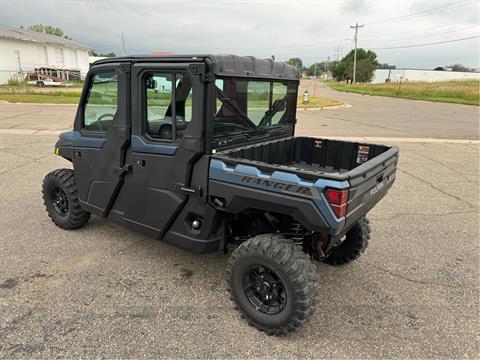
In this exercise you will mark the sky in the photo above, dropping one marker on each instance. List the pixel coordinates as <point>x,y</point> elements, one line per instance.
<point>310,30</point>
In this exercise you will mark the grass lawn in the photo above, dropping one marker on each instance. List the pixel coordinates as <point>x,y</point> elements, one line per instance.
<point>458,92</point>
<point>41,98</point>
<point>57,96</point>
<point>316,102</point>
<point>32,94</point>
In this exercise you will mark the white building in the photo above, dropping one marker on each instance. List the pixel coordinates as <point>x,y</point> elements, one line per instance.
<point>22,51</point>
<point>394,75</point>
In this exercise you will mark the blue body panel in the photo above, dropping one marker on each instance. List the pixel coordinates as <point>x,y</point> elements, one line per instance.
<point>78,140</point>
<point>219,171</point>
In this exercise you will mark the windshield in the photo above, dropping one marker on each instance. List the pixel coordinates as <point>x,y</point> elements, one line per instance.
<point>251,106</point>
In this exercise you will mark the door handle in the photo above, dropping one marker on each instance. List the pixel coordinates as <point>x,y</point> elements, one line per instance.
<point>186,190</point>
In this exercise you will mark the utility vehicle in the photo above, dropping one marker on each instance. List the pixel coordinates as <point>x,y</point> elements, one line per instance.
<point>199,151</point>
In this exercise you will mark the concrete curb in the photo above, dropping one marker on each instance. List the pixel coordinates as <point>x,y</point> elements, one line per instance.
<point>374,139</point>
<point>333,107</point>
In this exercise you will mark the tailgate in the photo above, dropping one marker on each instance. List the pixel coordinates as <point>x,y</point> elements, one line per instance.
<point>369,183</point>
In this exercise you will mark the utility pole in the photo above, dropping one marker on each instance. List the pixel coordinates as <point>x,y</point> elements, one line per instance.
<point>337,53</point>
<point>124,45</point>
<point>356,27</point>
<point>328,66</point>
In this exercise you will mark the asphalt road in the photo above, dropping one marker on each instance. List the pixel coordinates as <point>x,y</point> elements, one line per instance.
<point>104,291</point>
<point>384,116</point>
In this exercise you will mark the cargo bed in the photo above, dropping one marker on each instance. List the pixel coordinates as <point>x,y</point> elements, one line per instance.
<point>312,156</point>
<point>367,171</point>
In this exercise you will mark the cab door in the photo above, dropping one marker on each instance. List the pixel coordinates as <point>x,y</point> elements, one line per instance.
<point>101,136</point>
<point>166,141</point>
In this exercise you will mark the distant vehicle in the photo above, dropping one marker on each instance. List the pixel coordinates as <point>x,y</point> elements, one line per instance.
<point>47,82</point>
<point>52,77</point>
<point>200,152</point>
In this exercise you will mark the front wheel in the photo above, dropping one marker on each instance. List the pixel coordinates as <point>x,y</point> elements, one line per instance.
<point>272,283</point>
<point>60,196</point>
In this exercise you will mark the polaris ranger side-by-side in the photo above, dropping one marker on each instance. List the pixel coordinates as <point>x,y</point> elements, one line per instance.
<point>199,152</point>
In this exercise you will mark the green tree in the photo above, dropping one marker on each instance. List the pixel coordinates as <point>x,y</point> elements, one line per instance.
<point>319,68</point>
<point>297,62</point>
<point>48,29</point>
<point>339,71</point>
<point>316,68</point>
<point>366,65</point>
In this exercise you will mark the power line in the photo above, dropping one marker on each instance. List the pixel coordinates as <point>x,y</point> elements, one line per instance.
<point>429,36</point>
<point>330,42</point>
<point>420,13</point>
<point>427,44</point>
<point>423,29</point>
<point>293,46</point>
<point>319,44</point>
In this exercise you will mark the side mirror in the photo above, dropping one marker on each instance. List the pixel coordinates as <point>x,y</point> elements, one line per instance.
<point>279,104</point>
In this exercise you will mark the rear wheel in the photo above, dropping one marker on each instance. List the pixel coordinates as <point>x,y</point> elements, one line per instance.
<point>352,246</point>
<point>272,283</point>
<point>60,196</point>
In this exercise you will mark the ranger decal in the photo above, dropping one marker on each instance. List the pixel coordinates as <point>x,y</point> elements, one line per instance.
<point>296,189</point>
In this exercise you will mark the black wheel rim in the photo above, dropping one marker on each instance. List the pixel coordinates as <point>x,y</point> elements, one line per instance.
<point>60,201</point>
<point>264,289</point>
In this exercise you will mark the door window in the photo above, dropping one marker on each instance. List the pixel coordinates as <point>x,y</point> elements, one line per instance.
<point>101,103</point>
<point>168,105</point>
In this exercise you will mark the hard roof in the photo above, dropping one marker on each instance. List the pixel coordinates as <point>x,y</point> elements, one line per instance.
<point>225,65</point>
<point>9,32</point>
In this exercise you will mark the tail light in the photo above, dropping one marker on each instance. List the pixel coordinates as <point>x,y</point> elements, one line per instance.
<point>337,200</point>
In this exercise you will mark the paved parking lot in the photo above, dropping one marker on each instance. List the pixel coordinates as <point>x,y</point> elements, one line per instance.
<point>104,291</point>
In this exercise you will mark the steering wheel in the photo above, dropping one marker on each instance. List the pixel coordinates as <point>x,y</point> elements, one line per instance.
<point>100,125</point>
<point>102,117</point>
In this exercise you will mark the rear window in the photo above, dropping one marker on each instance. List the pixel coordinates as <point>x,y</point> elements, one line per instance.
<point>247,105</point>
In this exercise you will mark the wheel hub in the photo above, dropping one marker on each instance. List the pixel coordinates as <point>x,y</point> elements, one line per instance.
<point>264,290</point>
<point>60,201</point>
